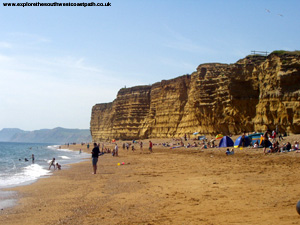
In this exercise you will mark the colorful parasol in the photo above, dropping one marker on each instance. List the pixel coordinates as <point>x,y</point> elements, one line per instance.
<point>219,136</point>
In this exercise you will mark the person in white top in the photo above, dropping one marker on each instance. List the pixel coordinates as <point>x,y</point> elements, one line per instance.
<point>116,150</point>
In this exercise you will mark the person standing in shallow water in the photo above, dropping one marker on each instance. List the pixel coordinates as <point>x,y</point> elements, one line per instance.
<point>95,154</point>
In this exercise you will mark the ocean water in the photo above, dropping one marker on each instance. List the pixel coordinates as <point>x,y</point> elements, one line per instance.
<point>15,170</point>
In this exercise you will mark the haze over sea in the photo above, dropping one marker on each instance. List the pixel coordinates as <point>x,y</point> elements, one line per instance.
<point>14,170</point>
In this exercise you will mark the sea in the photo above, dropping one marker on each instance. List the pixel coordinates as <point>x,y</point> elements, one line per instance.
<point>17,167</point>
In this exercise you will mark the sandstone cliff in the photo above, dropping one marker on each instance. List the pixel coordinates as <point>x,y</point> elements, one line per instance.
<point>253,94</point>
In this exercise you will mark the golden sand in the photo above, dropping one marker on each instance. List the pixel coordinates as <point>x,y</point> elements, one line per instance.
<point>169,186</point>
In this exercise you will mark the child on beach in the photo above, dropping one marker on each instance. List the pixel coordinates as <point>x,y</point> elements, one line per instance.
<point>52,163</point>
<point>228,152</point>
<point>58,166</point>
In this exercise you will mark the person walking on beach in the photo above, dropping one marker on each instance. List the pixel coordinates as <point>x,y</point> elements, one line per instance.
<point>141,146</point>
<point>150,146</point>
<point>266,138</point>
<point>116,150</point>
<point>52,163</point>
<point>95,154</point>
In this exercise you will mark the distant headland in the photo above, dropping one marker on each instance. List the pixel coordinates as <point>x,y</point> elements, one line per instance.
<point>57,135</point>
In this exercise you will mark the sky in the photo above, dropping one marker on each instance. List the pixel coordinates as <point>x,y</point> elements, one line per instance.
<point>56,63</point>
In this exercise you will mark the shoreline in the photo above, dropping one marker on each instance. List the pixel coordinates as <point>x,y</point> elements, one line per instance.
<point>9,199</point>
<point>168,186</point>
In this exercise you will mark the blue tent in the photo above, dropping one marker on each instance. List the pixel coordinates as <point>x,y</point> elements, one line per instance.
<point>255,137</point>
<point>226,142</point>
<point>238,142</point>
<point>201,137</point>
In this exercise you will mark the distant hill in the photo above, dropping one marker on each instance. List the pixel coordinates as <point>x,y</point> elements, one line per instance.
<point>56,135</point>
<point>7,133</point>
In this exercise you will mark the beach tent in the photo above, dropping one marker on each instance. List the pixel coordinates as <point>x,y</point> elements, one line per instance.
<point>238,142</point>
<point>226,142</point>
<point>201,137</point>
<point>255,137</point>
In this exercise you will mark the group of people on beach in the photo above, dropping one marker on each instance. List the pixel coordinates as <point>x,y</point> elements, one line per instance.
<point>204,144</point>
<point>271,142</point>
<point>52,162</point>
<point>115,152</point>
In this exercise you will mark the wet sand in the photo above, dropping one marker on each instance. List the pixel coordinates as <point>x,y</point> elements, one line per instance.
<point>169,186</point>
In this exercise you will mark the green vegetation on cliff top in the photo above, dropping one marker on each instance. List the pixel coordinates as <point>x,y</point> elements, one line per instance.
<point>282,52</point>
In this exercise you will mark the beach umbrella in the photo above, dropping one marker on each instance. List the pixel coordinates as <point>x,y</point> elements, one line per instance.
<point>195,133</point>
<point>219,136</point>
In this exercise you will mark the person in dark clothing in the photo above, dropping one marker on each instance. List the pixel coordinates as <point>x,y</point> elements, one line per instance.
<point>266,139</point>
<point>243,140</point>
<point>288,146</point>
<point>95,154</point>
<point>280,137</point>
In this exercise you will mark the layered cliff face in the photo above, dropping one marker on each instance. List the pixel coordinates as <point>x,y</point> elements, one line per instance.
<point>279,100</point>
<point>255,93</point>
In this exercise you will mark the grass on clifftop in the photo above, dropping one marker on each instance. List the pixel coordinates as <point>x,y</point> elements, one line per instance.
<point>276,52</point>
<point>282,52</point>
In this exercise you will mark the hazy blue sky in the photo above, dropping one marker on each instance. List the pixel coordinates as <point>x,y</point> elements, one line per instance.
<point>57,62</point>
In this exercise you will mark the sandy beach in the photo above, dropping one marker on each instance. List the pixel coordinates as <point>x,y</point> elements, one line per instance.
<point>169,186</point>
